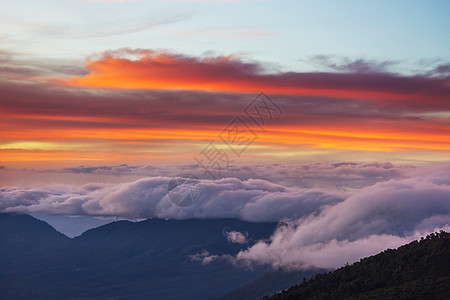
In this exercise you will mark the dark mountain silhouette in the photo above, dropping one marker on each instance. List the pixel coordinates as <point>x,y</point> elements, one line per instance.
<point>152,260</point>
<point>133,260</point>
<point>22,229</point>
<point>419,270</point>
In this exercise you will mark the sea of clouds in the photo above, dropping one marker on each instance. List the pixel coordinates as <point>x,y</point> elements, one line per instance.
<point>329,214</point>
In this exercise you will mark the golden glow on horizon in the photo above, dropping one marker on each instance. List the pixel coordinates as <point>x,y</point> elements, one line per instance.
<point>152,144</point>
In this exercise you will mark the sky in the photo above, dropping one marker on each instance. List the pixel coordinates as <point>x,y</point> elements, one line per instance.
<point>331,116</point>
<point>153,82</point>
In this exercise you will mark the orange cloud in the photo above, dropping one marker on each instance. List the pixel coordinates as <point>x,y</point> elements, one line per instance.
<point>143,112</point>
<point>148,69</point>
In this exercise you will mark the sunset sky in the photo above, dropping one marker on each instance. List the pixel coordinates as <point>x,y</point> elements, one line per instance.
<point>154,82</point>
<point>332,115</point>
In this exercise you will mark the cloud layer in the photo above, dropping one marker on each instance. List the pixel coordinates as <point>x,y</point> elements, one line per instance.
<point>147,198</point>
<point>338,175</point>
<point>357,112</point>
<point>385,215</point>
<point>319,227</point>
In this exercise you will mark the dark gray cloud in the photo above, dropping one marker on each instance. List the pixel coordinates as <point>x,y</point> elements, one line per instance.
<point>16,67</point>
<point>442,70</point>
<point>345,64</point>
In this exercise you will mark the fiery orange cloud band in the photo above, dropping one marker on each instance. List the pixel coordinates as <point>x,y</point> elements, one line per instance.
<point>147,69</point>
<point>380,113</point>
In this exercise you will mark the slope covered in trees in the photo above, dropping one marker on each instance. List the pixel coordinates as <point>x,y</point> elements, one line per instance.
<point>419,270</point>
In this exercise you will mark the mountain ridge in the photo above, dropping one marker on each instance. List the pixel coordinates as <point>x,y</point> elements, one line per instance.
<point>123,259</point>
<point>418,270</point>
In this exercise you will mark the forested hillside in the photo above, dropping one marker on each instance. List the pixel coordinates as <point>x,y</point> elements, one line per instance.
<point>419,270</point>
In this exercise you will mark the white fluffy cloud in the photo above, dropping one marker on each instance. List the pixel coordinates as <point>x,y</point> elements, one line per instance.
<point>321,227</point>
<point>252,200</point>
<point>382,216</point>
<point>236,237</point>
